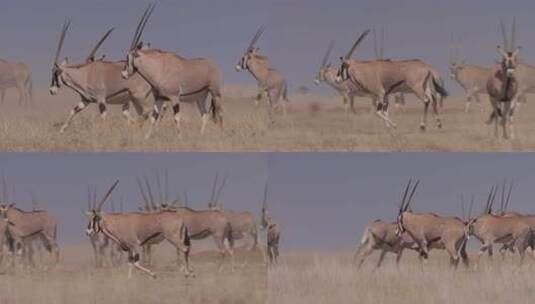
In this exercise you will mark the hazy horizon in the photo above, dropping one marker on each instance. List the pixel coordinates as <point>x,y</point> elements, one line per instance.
<point>295,40</point>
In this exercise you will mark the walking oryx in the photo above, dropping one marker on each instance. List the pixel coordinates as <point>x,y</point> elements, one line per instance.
<point>273,233</point>
<point>172,77</point>
<point>26,226</point>
<point>502,85</point>
<point>429,230</point>
<point>490,229</point>
<point>98,81</point>
<point>243,223</point>
<point>201,224</point>
<point>16,75</point>
<point>472,78</point>
<point>380,78</point>
<point>132,230</point>
<point>380,235</point>
<point>270,81</point>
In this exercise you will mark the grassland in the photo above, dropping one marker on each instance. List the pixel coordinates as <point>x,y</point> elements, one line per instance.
<point>329,277</point>
<point>314,123</point>
<point>75,280</point>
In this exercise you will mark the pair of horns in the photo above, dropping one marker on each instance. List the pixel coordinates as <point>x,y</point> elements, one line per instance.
<point>64,29</point>
<point>327,54</point>
<point>467,216</point>
<point>379,48</point>
<point>145,189</point>
<point>357,42</point>
<point>405,202</point>
<point>216,191</point>
<point>92,197</point>
<point>257,36</point>
<point>509,45</point>
<point>141,25</point>
<point>455,45</point>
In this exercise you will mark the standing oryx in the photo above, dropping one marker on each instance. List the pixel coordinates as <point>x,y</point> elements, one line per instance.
<point>270,81</point>
<point>491,229</point>
<point>98,82</point>
<point>132,230</point>
<point>380,235</point>
<point>380,78</point>
<point>16,75</point>
<point>502,85</point>
<point>273,233</point>
<point>472,78</point>
<point>173,77</point>
<point>429,230</point>
<point>25,226</point>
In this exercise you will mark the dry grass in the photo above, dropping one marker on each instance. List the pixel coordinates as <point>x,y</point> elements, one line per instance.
<point>76,281</point>
<point>314,123</point>
<point>326,278</point>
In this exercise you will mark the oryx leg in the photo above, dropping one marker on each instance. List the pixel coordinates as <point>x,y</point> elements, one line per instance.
<point>505,121</point>
<point>259,96</point>
<point>469,97</point>
<point>20,90</point>
<point>101,102</point>
<point>134,261</point>
<point>399,254</point>
<point>225,250</point>
<point>182,243</point>
<point>156,109</point>
<point>436,112</point>
<point>49,240</point>
<point>126,112</point>
<point>381,258</point>
<point>382,110</point>
<point>175,103</point>
<point>352,103</point>
<point>77,109</point>
<point>363,253</point>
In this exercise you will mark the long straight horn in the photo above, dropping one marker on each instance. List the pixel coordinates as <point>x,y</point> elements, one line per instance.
<point>264,202</point>
<point>412,194</point>
<point>220,189</point>
<point>502,202</point>
<point>64,29</point>
<point>88,198</point>
<point>160,189</point>
<point>139,28</point>
<point>463,209</point>
<point>94,199</point>
<point>382,45</point>
<point>493,198</point>
<point>470,208</point>
<point>507,201</point>
<point>375,48</point>
<point>402,205</point>
<point>145,22</point>
<point>257,36</point>
<point>214,185</point>
<point>142,191</point>
<point>166,184</point>
<point>107,195</point>
<point>149,191</point>
<point>186,201</point>
<point>359,40</point>
<point>99,44</point>
<point>513,35</point>
<point>327,54</point>
<point>487,204</point>
<point>504,36</point>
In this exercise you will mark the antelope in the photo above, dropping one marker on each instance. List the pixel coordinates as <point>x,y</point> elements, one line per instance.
<point>97,81</point>
<point>243,223</point>
<point>490,229</point>
<point>269,80</point>
<point>273,232</point>
<point>472,78</point>
<point>429,230</point>
<point>201,224</point>
<point>172,76</point>
<point>16,75</point>
<point>380,78</point>
<point>25,226</point>
<point>502,85</point>
<point>380,235</point>
<point>132,230</point>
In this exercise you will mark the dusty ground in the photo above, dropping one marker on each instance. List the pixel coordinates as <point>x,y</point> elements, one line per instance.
<point>331,278</point>
<point>75,280</point>
<point>314,123</point>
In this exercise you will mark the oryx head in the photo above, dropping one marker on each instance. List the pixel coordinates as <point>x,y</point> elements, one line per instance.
<point>343,70</point>
<point>250,51</point>
<point>456,64</point>
<point>325,65</point>
<point>57,68</point>
<point>509,51</point>
<point>4,208</point>
<point>95,214</point>
<point>404,207</point>
<point>134,52</point>
<point>487,209</point>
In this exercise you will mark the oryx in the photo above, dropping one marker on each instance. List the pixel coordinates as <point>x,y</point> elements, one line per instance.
<point>16,75</point>
<point>380,235</point>
<point>98,81</point>
<point>429,230</point>
<point>269,80</point>
<point>26,226</point>
<point>172,77</point>
<point>273,233</point>
<point>472,78</point>
<point>132,230</point>
<point>380,78</point>
<point>491,229</point>
<point>502,85</point>
<point>201,224</point>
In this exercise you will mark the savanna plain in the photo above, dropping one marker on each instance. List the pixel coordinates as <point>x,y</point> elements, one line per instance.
<point>313,123</point>
<point>330,277</point>
<point>76,280</point>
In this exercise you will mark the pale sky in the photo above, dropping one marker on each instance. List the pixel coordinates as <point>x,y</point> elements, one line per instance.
<point>297,30</point>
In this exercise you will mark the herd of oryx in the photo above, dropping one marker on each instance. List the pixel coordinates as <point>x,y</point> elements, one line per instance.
<point>149,78</point>
<point>158,219</point>
<point>422,232</point>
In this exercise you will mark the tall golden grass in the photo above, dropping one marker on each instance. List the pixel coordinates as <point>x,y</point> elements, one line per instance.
<point>314,123</point>
<point>330,277</point>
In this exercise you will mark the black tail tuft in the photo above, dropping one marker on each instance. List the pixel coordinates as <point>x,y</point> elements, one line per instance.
<point>439,87</point>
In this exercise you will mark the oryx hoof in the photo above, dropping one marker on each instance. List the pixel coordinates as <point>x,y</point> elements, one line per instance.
<point>422,128</point>
<point>439,125</point>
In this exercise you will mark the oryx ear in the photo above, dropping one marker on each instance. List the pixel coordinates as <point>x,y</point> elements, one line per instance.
<point>11,205</point>
<point>341,58</point>
<point>517,50</point>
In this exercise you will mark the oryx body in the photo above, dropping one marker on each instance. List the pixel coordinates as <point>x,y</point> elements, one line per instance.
<point>16,75</point>
<point>380,78</point>
<point>270,81</point>
<point>472,78</point>
<point>172,76</point>
<point>380,235</point>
